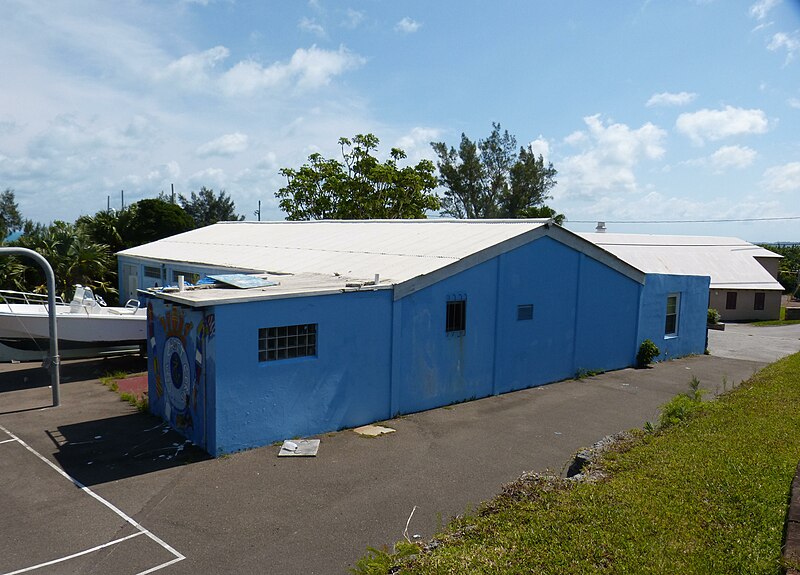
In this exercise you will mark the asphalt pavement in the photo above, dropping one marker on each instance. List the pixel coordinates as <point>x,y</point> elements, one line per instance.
<point>95,487</point>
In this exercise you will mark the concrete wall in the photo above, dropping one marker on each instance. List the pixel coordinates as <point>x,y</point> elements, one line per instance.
<point>181,368</point>
<point>377,357</point>
<point>584,318</point>
<point>692,313</point>
<point>345,385</point>
<point>745,301</point>
<point>772,265</point>
<point>132,270</point>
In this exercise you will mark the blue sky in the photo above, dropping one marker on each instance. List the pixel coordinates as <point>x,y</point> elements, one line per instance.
<point>650,110</point>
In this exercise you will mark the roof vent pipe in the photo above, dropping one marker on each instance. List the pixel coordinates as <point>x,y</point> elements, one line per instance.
<point>601,228</point>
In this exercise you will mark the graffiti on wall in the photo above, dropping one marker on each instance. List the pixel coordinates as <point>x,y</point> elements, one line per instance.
<point>178,348</point>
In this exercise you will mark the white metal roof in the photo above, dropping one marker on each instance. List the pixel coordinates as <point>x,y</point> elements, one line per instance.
<point>729,261</point>
<point>398,250</point>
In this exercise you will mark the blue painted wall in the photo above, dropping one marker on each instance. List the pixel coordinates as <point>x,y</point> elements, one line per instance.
<point>181,367</point>
<point>584,317</point>
<point>345,385</point>
<point>691,337</point>
<point>377,357</point>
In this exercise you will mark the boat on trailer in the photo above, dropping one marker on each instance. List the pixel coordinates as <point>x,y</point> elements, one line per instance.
<point>86,326</point>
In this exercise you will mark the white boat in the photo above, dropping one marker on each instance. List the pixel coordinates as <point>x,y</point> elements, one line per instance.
<point>86,326</point>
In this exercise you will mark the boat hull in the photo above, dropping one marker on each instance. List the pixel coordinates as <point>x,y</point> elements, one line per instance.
<point>25,332</point>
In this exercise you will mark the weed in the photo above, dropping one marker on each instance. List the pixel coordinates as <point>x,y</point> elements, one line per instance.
<point>110,379</point>
<point>142,404</point>
<point>584,373</point>
<point>378,561</point>
<point>682,406</point>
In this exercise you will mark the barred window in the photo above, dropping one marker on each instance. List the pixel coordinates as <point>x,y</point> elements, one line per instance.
<point>286,342</point>
<point>456,317</point>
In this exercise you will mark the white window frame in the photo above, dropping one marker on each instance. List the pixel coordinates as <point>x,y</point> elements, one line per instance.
<point>677,297</point>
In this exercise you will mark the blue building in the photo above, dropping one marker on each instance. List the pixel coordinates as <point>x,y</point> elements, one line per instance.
<point>362,321</point>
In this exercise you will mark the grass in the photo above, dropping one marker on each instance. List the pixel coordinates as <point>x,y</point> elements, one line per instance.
<point>774,322</point>
<point>110,381</point>
<point>705,494</point>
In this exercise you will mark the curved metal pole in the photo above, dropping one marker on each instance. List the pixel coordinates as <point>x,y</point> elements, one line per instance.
<point>52,362</point>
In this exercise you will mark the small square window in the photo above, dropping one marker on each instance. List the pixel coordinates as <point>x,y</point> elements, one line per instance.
<point>524,312</point>
<point>456,320</point>
<point>758,304</point>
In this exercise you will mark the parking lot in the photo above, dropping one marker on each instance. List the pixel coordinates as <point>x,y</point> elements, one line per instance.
<point>93,486</point>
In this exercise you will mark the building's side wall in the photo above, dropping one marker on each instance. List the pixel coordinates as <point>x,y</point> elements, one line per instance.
<point>584,318</point>
<point>346,384</point>
<point>181,368</point>
<point>772,265</point>
<point>745,305</point>
<point>692,314</point>
<point>136,274</point>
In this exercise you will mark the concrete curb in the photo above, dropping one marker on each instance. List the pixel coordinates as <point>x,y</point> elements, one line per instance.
<point>791,548</point>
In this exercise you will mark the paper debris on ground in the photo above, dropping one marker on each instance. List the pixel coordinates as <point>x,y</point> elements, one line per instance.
<point>373,430</point>
<point>299,448</point>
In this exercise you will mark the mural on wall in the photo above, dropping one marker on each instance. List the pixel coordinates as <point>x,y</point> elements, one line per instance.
<point>177,341</point>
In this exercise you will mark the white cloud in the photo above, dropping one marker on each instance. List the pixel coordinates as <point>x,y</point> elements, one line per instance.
<point>417,143</point>
<point>732,157</point>
<point>407,26</point>
<point>608,162</point>
<point>760,9</point>
<point>308,25</point>
<point>308,69</point>
<point>227,145</point>
<point>193,69</point>
<point>783,41</point>
<point>785,178</point>
<point>718,124</point>
<point>353,18</point>
<point>671,99</point>
<point>794,103</point>
<point>541,146</point>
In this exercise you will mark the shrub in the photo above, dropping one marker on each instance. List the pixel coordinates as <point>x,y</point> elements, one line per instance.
<point>648,351</point>
<point>713,316</point>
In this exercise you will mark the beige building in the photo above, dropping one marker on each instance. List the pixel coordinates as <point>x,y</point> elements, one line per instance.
<point>744,285</point>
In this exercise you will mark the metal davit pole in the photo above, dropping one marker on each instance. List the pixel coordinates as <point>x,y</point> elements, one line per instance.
<point>52,362</point>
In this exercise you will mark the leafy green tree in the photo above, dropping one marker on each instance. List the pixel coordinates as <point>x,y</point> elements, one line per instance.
<point>491,179</point>
<point>10,218</point>
<point>359,187</point>
<point>789,266</point>
<point>206,208</point>
<point>75,258</point>
<point>150,220</point>
<point>104,227</point>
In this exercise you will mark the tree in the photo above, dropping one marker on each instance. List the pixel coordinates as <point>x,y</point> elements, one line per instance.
<point>75,258</point>
<point>150,220</point>
<point>360,187</point>
<point>10,218</point>
<point>205,208</point>
<point>490,179</point>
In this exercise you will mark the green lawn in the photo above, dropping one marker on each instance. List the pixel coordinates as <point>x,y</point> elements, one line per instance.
<point>708,495</point>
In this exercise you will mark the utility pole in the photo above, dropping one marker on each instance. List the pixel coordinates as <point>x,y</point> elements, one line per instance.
<point>122,199</point>
<point>173,192</point>
<point>258,211</point>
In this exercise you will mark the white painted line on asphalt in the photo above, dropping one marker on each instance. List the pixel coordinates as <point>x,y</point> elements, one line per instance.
<point>108,504</point>
<point>7,441</point>
<point>78,554</point>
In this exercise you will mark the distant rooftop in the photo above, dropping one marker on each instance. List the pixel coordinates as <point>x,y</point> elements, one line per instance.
<point>729,261</point>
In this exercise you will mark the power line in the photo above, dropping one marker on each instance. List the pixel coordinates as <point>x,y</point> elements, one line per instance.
<point>683,221</point>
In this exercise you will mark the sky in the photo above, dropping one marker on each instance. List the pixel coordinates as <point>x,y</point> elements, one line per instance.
<point>653,110</point>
